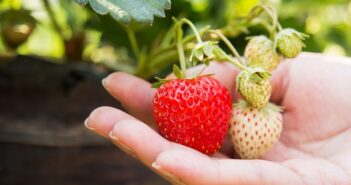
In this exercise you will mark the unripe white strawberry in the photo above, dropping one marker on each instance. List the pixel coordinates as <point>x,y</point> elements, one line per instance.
<point>260,52</point>
<point>254,131</point>
<point>254,86</point>
<point>289,42</point>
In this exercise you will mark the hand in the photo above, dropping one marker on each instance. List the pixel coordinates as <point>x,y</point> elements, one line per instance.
<point>315,146</point>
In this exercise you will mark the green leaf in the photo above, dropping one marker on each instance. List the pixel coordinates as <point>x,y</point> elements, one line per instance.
<point>177,72</point>
<point>142,11</point>
<point>162,80</point>
<point>159,83</point>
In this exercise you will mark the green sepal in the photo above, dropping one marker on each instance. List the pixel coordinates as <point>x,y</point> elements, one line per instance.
<point>160,82</point>
<point>208,48</point>
<point>267,109</point>
<point>258,74</point>
<point>198,53</point>
<point>211,74</point>
<point>162,79</point>
<point>206,61</point>
<point>156,84</point>
<point>194,62</point>
<point>177,72</point>
<point>204,52</point>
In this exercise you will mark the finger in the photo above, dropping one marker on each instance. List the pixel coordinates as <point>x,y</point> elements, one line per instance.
<point>282,76</point>
<point>134,93</point>
<point>103,119</point>
<point>192,168</point>
<point>140,141</point>
<point>144,142</point>
<point>131,136</point>
<point>280,82</point>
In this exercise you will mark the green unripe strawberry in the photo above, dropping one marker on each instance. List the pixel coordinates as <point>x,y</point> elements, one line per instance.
<point>289,42</point>
<point>254,86</point>
<point>260,52</point>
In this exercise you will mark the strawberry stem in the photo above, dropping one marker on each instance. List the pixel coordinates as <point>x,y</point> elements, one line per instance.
<point>132,40</point>
<point>274,17</point>
<point>233,50</point>
<point>181,59</point>
<point>193,28</point>
<point>180,49</point>
<point>179,37</point>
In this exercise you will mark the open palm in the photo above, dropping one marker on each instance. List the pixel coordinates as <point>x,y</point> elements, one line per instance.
<point>315,146</point>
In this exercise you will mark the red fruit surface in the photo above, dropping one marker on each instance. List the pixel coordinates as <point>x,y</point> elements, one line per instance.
<point>193,112</point>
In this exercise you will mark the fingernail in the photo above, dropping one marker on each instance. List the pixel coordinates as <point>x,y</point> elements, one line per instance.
<point>87,125</point>
<point>121,145</point>
<point>167,175</point>
<point>104,83</point>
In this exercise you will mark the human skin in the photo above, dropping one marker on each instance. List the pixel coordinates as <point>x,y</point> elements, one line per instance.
<point>314,148</point>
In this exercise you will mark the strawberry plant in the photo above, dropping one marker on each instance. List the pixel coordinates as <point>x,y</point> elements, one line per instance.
<point>195,110</point>
<point>256,124</point>
<point>192,110</point>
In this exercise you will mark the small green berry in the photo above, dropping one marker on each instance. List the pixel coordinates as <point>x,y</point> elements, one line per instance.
<point>260,52</point>
<point>289,42</point>
<point>254,86</point>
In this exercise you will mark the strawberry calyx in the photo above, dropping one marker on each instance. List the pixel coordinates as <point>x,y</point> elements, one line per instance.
<point>202,52</point>
<point>268,109</point>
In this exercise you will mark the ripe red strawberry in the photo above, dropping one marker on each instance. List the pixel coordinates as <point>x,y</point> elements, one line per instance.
<point>193,112</point>
<point>254,131</point>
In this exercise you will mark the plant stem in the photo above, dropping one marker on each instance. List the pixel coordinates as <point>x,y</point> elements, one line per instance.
<point>132,40</point>
<point>180,49</point>
<point>232,49</point>
<point>51,15</point>
<point>179,38</point>
<point>236,63</point>
<point>273,17</point>
<point>263,23</point>
<point>187,39</point>
<point>194,29</point>
<point>275,14</point>
<point>272,14</point>
<point>160,61</point>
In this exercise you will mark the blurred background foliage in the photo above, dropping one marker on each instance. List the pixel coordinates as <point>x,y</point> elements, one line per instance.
<point>64,31</point>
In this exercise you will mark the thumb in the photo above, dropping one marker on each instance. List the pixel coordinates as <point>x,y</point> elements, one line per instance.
<point>280,81</point>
